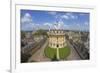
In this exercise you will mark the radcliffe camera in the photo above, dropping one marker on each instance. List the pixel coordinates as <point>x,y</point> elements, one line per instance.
<point>48,36</point>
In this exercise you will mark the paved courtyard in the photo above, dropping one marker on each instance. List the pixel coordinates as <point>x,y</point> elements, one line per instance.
<point>73,55</point>
<point>39,55</point>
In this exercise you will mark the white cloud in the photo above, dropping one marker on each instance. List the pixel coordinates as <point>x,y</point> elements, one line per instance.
<point>48,25</point>
<point>26,18</point>
<point>69,16</point>
<point>65,17</point>
<point>52,13</point>
<point>86,23</point>
<point>73,17</point>
<point>58,25</point>
<point>84,26</point>
<point>27,22</point>
<point>61,22</point>
<point>27,15</point>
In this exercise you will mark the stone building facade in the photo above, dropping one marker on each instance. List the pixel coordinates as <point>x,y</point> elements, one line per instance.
<point>56,38</point>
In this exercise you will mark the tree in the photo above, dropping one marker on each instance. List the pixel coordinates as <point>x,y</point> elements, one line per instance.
<point>22,34</point>
<point>40,32</point>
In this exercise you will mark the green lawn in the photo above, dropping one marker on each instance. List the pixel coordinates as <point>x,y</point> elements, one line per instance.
<point>51,52</point>
<point>64,52</point>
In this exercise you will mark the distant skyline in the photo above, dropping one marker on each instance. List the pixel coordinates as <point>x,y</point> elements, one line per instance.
<point>35,19</point>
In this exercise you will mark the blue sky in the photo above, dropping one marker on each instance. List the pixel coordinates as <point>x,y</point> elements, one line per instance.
<point>33,20</point>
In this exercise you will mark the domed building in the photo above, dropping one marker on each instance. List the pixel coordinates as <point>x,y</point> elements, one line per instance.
<point>57,38</point>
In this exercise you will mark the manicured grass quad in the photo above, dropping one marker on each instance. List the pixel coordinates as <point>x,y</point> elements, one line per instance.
<point>52,52</point>
<point>64,52</point>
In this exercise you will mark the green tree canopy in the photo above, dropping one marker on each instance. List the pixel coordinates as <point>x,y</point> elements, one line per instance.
<point>22,34</point>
